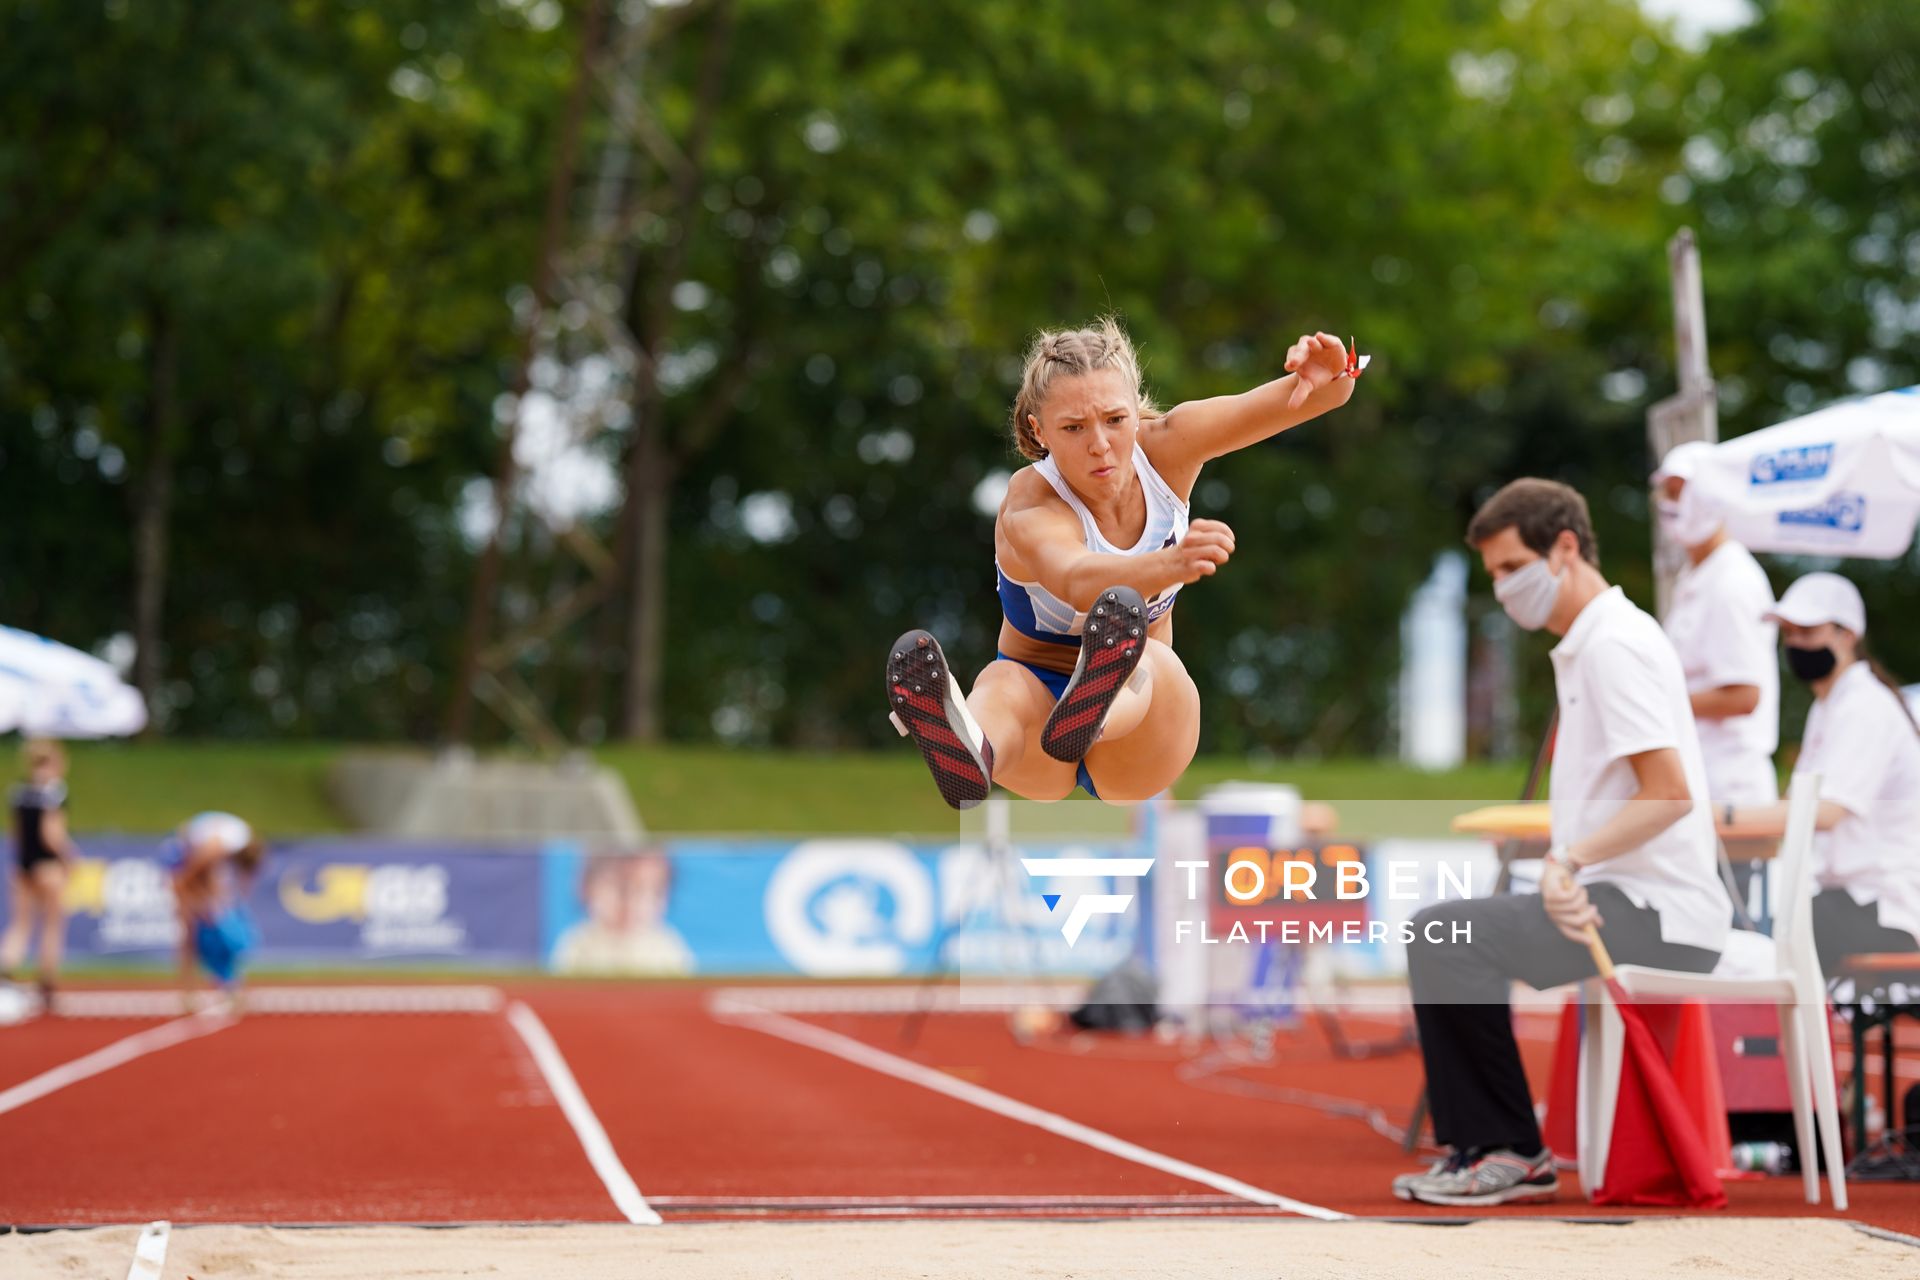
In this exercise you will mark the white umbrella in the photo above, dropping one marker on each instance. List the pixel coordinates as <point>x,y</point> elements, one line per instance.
<point>48,689</point>
<point>1844,481</point>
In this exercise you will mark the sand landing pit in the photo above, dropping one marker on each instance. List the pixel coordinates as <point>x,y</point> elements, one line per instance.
<point>1781,1248</point>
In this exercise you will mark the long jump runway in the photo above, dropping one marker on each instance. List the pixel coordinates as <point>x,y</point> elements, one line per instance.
<point>590,1103</point>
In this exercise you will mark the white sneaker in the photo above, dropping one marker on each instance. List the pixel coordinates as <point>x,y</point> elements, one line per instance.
<point>1497,1177</point>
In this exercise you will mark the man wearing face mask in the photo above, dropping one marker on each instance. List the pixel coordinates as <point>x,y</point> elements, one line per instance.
<point>1863,744</point>
<point>1633,850</point>
<point>1717,622</point>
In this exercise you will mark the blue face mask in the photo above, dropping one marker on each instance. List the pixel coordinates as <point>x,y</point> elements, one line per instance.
<point>1528,594</point>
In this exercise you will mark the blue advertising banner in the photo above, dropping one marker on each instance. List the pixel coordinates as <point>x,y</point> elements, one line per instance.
<point>834,907</point>
<point>829,907</point>
<point>119,900</point>
<point>324,900</point>
<point>361,901</point>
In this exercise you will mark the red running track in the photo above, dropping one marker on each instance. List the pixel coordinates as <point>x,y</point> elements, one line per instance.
<point>415,1118</point>
<point>1289,1147</point>
<point>445,1118</point>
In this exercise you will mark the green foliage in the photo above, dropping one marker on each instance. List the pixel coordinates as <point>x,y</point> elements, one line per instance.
<point>334,205</point>
<point>290,193</point>
<point>1225,178</point>
<point>1804,166</point>
<point>153,787</point>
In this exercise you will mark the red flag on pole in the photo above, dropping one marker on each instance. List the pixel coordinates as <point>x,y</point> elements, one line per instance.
<point>1696,1069</point>
<point>1560,1126</point>
<point>1657,1156</point>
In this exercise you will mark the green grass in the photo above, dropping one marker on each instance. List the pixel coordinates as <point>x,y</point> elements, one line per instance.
<point>152,787</point>
<point>1337,780</point>
<point>282,787</point>
<point>714,789</point>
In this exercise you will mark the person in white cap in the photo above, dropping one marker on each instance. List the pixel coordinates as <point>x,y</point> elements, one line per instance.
<point>1717,621</point>
<point>1863,744</point>
<point>212,861</point>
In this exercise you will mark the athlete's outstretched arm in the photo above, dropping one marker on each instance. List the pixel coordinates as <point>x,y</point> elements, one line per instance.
<point>1050,542</point>
<point>1198,431</point>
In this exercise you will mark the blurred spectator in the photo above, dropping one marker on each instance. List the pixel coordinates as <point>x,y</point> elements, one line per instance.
<point>213,860</point>
<point>1862,742</point>
<point>42,851</point>
<point>1718,624</point>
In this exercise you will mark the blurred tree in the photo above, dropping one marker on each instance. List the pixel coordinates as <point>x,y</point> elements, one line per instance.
<point>1802,158</point>
<point>262,271</point>
<point>895,198</point>
<point>252,275</point>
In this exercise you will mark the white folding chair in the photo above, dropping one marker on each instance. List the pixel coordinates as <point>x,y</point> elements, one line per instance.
<point>1795,987</point>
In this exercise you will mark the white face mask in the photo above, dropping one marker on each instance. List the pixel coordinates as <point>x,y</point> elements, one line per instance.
<point>1689,520</point>
<point>1528,594</point>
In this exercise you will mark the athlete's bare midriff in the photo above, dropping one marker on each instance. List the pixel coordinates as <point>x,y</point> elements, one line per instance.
<point>1061,657</point>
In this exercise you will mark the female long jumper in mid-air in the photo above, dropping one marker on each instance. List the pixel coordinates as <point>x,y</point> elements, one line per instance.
<point>1092,544</point>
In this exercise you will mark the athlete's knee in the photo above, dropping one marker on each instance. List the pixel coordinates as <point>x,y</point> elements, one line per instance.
<point>997,681</point>
<point>1170,678</point>
<point>1160,655</point>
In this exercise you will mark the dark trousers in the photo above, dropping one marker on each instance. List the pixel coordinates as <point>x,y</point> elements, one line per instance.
<point>1476,1088</point>
<point>1843,927</point>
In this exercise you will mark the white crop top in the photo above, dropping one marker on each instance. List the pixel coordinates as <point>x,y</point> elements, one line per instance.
<point>1034,611</point>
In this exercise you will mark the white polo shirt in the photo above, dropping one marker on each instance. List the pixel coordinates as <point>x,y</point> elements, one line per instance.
<point>1862,744</point>
<point>1716,622</point>
<point>1621,693</point>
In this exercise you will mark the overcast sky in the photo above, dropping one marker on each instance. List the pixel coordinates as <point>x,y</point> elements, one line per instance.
<point>1694,20</point>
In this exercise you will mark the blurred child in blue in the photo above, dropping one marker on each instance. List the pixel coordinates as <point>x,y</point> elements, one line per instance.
<point>212,860</point>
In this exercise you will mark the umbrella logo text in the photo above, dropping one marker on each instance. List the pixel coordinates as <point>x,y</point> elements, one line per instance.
<point>1787,466</point>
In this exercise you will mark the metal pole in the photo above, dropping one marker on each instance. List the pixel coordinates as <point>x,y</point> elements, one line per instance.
<point>1692,413</point>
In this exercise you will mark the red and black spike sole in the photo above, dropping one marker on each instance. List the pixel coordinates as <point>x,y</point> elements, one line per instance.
<point>924,704</point>
<point>1111,646</point>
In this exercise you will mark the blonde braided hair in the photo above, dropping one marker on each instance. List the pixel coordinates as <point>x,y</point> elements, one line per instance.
<point>1071,353</point>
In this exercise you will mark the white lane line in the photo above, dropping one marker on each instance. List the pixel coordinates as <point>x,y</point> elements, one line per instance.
<point>426,998</point>
<point>138,1045</point>
<point>963,997</point>
<point>150,1256</point>
<point>1232,1209</point>
<point>937,1202</point>
<point>865,1055</point>
<point>586,1126</point>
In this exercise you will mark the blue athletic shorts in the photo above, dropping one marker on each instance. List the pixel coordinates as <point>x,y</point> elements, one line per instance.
<point>1056,683</point>
<point>222,941</point>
